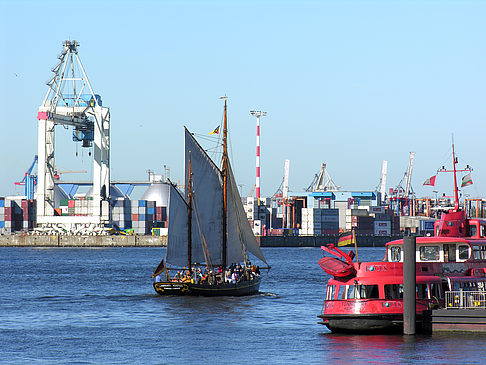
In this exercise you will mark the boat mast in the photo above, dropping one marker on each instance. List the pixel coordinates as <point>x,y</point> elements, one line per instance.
<point>456,192</point>
<point>224,170</point>
<point>189,215</point>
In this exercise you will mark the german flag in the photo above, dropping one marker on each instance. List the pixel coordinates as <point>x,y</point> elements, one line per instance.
<point>159,269</point>
<point>345,239</point>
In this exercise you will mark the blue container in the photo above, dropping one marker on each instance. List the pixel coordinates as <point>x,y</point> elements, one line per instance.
<point>142,217</point>
<point>2,224</point>
<point>2,202</point>
<point>150,210</point>
<point>142,203</point>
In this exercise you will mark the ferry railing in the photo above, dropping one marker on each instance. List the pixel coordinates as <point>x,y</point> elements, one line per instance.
<point>465,299</point>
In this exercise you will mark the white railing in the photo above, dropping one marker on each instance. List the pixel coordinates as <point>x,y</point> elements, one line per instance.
<point>465,299</point>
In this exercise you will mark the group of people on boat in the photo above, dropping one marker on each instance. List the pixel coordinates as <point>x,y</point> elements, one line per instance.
<point>233,274</point>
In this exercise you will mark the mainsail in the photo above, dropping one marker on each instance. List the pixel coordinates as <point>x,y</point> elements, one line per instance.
<point>207,217</point>
<point>207,203</point>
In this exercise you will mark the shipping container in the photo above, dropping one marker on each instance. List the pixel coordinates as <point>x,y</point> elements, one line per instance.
<point>382,224</point>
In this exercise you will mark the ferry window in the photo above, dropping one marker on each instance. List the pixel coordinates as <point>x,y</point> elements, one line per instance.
<point>396,254</point>
<point>449,253</point>
<point>394,291</point>
<point>463,252</point>
<point>330,292</point>
<point>422,291</point>
<point>429,253</point>
<point>473,230</point>
<point>363,292</point>
<point>479,252</point>
<point>482,228</point>
<point>341,292</point>
<point>435,290</point>
<point>467,286</point>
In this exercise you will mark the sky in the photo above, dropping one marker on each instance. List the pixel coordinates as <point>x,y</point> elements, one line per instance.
<point>348,83</point>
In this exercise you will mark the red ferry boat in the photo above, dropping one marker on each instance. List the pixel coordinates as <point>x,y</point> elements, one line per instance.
<point>368,296</point>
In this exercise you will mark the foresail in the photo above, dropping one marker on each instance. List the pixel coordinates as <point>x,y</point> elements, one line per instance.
<point>240,234</point>
<point>207,202</point>
<point>177,232</point>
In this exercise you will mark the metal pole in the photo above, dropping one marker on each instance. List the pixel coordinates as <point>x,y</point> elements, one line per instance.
<point>409,284</point>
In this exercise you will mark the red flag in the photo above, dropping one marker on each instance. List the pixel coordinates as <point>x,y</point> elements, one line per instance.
<point>430,181</point>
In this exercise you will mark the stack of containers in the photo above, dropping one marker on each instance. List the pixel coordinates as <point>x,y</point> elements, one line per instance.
<point>121,213</point>
<point>19,215</point>
<point>317,221</point>
<point>28,208</point>
<point>2,215</point>
<point>76,207</point>
<point>383,224</point>
<point>161,217</point>
<point>359,220</point>
<point>330,221</point>
<point>395,224</point>
<point>142,220</point>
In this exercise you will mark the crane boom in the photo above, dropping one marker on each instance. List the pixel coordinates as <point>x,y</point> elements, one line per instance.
<point>285,187</point>
<point>409,174</point>
<point>384,169</point>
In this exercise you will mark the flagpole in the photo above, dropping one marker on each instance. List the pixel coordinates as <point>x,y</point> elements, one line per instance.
<point>355,246</point>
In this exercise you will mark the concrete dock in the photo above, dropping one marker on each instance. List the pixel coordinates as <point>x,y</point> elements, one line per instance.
<point>161,241</point>
<point>82,241</point>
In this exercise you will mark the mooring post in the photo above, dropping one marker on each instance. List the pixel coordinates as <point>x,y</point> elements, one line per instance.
<point>409,283</point>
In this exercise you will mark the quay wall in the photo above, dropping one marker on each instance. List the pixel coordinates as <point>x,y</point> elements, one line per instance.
<point>161,241</point>
<point>318,241</point>
<point>82,241</point>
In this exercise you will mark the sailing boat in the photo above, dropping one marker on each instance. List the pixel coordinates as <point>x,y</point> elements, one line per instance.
<point>208,233</point>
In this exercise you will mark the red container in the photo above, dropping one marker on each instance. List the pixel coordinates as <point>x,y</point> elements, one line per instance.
<point>71,203</point>
<point>134,217</point>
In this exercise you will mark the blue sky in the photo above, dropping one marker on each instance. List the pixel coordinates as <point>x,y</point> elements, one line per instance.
<point>349,83</point>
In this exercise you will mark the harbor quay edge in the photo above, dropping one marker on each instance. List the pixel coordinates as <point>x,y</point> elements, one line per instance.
<point>82,241</point>
<point>161,241</point>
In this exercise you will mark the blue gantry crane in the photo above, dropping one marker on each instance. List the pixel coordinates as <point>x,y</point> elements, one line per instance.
<point>29,180</point>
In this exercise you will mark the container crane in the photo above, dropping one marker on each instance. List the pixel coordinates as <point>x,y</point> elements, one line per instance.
<point>285,193</point>
<point>71,102</point>
<point>29,180</point>
<point>401,195</point>
<point>322,181</point>
<point>382,186</point>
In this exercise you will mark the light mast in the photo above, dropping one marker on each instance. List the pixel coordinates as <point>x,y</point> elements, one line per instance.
<point>258,114</point>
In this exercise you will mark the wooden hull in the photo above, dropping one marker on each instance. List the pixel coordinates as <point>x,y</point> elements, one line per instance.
<point>226,289</point>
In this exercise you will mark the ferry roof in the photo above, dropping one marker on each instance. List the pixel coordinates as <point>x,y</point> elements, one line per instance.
<point>434,240</point>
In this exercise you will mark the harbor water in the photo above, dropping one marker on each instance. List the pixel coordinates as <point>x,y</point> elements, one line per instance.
<point>97,305</point>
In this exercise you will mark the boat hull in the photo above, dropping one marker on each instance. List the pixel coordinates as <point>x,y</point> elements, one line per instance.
<point>247,287</point>
<point>368,315</point>
<point>363,323</point>
<point>374,323</point>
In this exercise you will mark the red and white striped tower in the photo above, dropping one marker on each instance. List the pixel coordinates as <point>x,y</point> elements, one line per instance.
<point>258,114</point>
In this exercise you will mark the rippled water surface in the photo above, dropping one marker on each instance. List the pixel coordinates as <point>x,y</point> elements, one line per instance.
<point>74,305</point>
